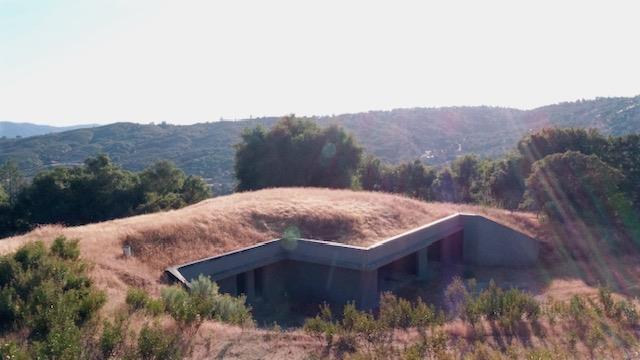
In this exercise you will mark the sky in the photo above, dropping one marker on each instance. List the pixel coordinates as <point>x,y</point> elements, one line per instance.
<point>66,62</point>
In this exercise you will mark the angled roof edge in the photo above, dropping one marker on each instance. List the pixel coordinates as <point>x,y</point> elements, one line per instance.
<point>325,252</point>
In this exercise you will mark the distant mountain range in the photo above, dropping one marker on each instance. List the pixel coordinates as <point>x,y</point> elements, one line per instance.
<point>13,129</point>
<point>436,135</point>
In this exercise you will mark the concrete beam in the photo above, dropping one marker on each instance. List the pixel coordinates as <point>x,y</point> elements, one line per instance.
<point>250,285</point>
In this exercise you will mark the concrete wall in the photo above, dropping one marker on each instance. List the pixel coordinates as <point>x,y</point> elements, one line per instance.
<point>315,271</point>
<point>491,244</point>
<point>314,283</point>
<point>308,283</point>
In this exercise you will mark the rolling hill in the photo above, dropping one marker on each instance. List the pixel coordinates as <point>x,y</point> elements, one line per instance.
<point>13,129</point>
<point>437,135</point>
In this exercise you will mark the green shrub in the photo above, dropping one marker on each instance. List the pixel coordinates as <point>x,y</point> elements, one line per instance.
<point>627,312</point>
<point>9,309</point>
<point>63,341</point>
<point>137,299</point>
<point>112,337</point>
<point>455,296</point>
<point>395,312</point>
<point>155,343</point>
<point>178,304</point>
<point>577,309</point>
<point>230,309</point>
<point>398,313</point>
<point>47,296</point>
<point>64,249</point>
<point>202,302</point>
<point>31,255</point>
<point>11,351</point>
<point>506,307</point>
<point>8,270</point>
<point>154,307</point>
<point>322,324</point>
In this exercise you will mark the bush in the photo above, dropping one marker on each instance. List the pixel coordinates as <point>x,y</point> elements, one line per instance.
<point>178,304</point>
<point>456,295</point>
<point>47,296</point>
<point>136,299</point>
<point>154,307</point>
<point>506,307</point>
<point>112,337</point>
<point>12,351</point>
<point>155,343</point>
<point>626,312</point>
<point>204,302</point>
<point>395,312</point>
<point>65,249</point>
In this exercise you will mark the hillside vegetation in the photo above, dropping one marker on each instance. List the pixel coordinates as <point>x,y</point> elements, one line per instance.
<point>435,134</point>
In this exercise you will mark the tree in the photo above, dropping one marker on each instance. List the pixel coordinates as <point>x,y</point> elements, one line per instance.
<point>162,178</point>
<point>195,189</point>
<point>465,173</point>
<point>11,180</point>
<point>505,181</point>
<point>624,154</point>
<point>549,141</point>
<point>97,191</point>
<point>414,179</point>
<point>444,188</point>
<point>296,152</point>
<point>572,186</point>
<point>4,197</point>
<point>370,174</point>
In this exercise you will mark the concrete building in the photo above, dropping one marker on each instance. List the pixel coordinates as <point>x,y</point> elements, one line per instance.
<point>313,271</point>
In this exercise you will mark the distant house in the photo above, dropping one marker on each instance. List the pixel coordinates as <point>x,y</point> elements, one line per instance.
<point>312,271</point>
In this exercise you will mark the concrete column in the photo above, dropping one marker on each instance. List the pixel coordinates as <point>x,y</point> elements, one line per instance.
<point>423,264</point>
<point>250,285</point>
<point>445,250</point>
<point>369,289</point>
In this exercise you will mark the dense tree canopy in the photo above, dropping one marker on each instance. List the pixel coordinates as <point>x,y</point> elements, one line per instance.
<point>296,152</point>
<point>573,185</point>
<point>99,190</point>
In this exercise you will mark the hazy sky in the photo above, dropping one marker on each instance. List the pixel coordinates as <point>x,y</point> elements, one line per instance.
<point>180,61</point>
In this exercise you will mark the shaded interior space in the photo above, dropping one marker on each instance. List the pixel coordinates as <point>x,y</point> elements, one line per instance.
<point>288,291</point>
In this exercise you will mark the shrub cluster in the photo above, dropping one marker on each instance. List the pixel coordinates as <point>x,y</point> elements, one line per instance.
<point>375,333</point>
<point>46,294</point>
<point>506,307</point>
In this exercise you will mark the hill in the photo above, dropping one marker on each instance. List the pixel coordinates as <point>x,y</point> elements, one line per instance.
<point>229,222</point>
<point>12,129</point>
<point>437,135</point>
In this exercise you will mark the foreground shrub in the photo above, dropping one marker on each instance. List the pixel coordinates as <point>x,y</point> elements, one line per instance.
<point>376,334</point>
<point>112,338</point>
<point>12,351</point>
<point>47,295</point>
<point>203,301</point>
<point>155,343</point>
<point>137,299</point>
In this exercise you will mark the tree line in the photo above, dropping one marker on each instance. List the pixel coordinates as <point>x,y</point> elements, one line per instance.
<point>564,174</point>
<point>96,191</point>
